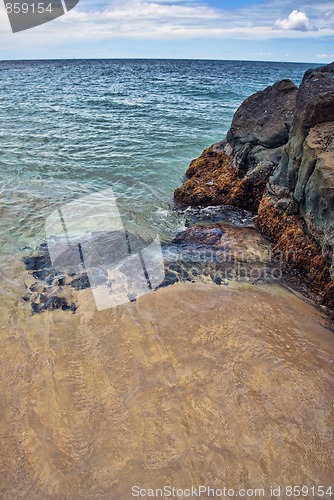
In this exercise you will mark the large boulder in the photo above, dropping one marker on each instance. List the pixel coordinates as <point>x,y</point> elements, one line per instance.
<point>260,127</point>
<point>265,118</point>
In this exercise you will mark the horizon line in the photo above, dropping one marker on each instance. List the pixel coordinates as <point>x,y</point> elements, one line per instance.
<point>160,59</point>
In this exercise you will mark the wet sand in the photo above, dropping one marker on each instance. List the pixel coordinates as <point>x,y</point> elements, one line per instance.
<point>193,384</point>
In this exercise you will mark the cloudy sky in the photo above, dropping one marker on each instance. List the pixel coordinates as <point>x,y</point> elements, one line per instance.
<point>272,30</point>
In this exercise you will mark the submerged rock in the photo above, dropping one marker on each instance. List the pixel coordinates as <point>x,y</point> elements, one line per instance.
<point>47,288</point>
<point>220,252</point>
<point>81,282</point>
<point>53,303</point>
<point>201,235</point>
<point>37,262</point>
<point>109,263</point>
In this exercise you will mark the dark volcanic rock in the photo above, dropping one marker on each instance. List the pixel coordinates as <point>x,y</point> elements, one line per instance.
<point>81,282</point>
<point>283,135</point>
<point>265,118</point>
<point>37,262</point>
<point>303,183</point>
<point>52,304</point>
<point>219,252</point>
<point>71,263</point>
<point>55,302</point>
<point>200,236</point>
<point>260,129</point>
<point>314,105</point>
<point>46,293</point>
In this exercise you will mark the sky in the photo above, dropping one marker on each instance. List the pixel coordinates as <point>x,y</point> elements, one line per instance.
<point>268,30</point>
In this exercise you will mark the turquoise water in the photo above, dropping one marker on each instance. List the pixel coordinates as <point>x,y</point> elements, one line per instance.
<point>69,128</point>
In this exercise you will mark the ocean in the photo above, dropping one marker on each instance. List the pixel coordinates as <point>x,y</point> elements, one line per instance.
<point>71,128</point>
<point>226,386</point>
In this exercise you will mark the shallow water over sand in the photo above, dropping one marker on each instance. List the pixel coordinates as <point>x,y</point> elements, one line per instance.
<point>192,384</point>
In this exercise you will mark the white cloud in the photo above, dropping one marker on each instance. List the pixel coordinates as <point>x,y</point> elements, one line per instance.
<point>297,21</point>
<point>181,19</point>
<point>262,54</point>
<point>325,56</point>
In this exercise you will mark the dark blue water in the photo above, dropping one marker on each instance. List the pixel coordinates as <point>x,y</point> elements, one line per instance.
<point>69,128</point>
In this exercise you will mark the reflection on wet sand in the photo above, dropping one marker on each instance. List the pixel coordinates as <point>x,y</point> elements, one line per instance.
<point>193,384</point>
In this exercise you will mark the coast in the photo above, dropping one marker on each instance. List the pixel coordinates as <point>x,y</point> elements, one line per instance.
<point>210,379</point>
<point>277,161</point>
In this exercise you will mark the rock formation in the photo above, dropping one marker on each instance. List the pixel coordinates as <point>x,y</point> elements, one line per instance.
<point>304,179</point>
<point>278,161</point>
<point>236,170</point>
